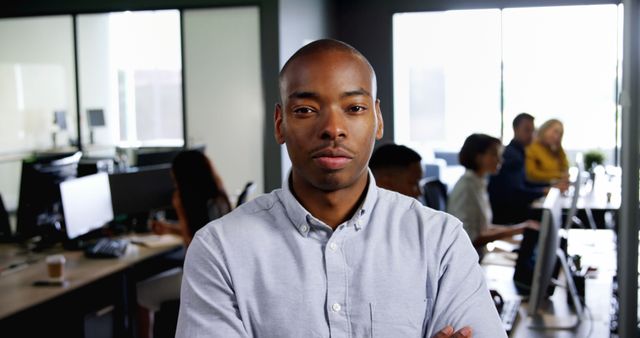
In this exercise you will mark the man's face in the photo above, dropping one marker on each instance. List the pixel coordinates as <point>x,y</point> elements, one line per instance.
<point>329,118</point>
<point>523,132</point>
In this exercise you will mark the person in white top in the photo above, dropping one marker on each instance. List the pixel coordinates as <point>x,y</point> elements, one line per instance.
<point>469,200</point>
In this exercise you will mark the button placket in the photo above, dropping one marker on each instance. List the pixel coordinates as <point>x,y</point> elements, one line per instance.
<point>336,285</point>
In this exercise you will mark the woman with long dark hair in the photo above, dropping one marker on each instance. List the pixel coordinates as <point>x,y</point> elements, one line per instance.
<point>199,198</point>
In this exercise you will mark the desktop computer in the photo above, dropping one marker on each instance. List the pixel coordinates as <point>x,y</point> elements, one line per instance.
<point>138,192</point>
<point>86,203</point>
<point>39,205</point>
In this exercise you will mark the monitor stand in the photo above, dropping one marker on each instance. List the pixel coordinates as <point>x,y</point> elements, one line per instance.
<point>545,321</point>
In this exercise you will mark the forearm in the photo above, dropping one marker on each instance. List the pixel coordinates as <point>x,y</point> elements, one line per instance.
<point>496,232</point>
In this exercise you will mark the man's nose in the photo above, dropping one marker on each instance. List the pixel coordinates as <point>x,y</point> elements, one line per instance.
<point>333,125</point>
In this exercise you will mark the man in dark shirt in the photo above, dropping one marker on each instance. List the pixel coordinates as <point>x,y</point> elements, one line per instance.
<point>510,193</point>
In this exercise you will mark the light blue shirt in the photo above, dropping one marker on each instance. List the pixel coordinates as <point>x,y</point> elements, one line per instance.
<point>395,269</point>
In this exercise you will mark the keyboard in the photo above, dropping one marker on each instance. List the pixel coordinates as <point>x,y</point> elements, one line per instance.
<point>107,248</point>
<point>509,313</point>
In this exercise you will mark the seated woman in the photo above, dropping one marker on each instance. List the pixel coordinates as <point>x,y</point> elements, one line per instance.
<point>545,159</point>
<point>469,200</point>
<point>198,199</point>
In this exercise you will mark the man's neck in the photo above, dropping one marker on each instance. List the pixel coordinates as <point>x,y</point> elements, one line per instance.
<point>331,207</point>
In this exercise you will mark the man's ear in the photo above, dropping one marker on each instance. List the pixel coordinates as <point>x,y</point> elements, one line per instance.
<point>380,126</point>
<point>278,127</point>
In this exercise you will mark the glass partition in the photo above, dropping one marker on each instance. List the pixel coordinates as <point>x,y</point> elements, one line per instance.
<point>130,71</point>
<point>37,93</point>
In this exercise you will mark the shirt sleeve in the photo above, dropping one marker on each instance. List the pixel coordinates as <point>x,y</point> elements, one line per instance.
<point>462,298</point>
<point>463,204</point>
<point>208,305</point>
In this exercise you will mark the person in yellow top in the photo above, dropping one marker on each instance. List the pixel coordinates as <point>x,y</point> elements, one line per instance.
<point>545,159</point>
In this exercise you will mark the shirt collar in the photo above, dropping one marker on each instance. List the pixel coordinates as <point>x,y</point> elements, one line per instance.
<point>303,220</point>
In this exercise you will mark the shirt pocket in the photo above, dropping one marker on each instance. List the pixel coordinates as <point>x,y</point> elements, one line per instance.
<point>398,318</point>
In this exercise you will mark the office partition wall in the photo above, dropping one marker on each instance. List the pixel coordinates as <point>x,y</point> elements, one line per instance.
<point>224,94</point>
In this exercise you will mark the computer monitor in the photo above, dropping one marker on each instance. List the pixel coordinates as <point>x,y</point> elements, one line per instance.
<point>156,155</point>
<point>572,213</point>
<point>140,190</point>
<point>548,254</point>
<point>95,117</point>
<point>60,119</point>
<point>86,202</point>
<point>39,212</point>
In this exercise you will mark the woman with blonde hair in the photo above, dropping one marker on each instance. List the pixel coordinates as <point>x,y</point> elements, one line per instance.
<point>545,159</point>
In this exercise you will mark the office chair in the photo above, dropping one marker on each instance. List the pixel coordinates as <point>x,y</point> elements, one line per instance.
<point>434,193</point>
<point>248,189</point>
<point>5,228</point>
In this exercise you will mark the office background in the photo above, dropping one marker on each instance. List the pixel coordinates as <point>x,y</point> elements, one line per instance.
<point>230,57</point>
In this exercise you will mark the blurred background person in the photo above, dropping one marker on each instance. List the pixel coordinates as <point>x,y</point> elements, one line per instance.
<point>546,160</point>
<point>397,168</point>
<point>199,198</point>
<point>510,193</point>
<point>481,155</point>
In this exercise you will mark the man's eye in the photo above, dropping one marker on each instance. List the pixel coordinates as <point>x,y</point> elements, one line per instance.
<point>303,110</point>
<point>357,109</point>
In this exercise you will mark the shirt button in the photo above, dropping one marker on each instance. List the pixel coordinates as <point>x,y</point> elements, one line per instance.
<point>333,246</point>
<point>304,228</point>
<point>336,307</point>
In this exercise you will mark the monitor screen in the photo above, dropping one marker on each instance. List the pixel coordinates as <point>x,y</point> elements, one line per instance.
<point>575,195</point>
<point>548,244</point>
<point>141,190</point>
<point>60,119</point>
<point>39,201</point>
<point>86,203</point>
<point>155,156</point>
<point>96,117</point>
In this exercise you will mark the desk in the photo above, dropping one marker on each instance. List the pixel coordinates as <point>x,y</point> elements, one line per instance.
<point>598,196</point>
<point>95,286</point>
<point>597,248</point>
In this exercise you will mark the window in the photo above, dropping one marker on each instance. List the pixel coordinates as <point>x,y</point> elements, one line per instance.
<point>446,76</point>
<point>130,70</point>
<point>557,62</point>
<point>37,93</point>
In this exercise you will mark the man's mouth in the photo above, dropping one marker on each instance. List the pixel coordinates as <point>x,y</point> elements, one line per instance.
<point>332,158</point>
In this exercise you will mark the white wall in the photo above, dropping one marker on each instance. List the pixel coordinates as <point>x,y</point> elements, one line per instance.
<point>224,97</point>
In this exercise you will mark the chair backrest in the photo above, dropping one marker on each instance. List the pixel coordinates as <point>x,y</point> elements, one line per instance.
<point>435,194</point>
<point>248,188</point>
<point>5,227</point>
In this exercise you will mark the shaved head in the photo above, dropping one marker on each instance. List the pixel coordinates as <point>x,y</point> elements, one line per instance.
<point>321,47</point>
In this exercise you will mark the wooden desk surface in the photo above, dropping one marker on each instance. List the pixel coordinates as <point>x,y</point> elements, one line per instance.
<point>17,292</point>
<point>597,248</point>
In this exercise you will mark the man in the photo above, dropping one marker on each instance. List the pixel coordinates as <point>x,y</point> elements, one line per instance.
<point>397,168</point>
<point>330,254</point>
<point>510,193</point>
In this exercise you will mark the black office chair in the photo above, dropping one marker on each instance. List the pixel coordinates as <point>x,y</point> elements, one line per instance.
<point>166,320</point>
<point>5,228</point>
<point>435,193</point>
<point>248,189</point>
